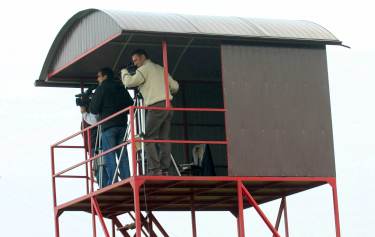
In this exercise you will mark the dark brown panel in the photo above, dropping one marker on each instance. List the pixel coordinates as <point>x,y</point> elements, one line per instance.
<point>279,119</point>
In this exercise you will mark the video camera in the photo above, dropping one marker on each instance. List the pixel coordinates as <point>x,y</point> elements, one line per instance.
<point>84,98</point>
<point>131,68</point>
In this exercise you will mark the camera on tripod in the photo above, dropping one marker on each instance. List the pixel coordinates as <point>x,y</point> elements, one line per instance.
<point>131,67</point>
<point>84,99</point>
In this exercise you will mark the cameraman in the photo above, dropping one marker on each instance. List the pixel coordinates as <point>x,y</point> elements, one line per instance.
<point>149,78</point>
<point>109,98</point>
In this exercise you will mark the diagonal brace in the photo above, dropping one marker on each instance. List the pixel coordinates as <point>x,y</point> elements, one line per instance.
<point>252,201</point>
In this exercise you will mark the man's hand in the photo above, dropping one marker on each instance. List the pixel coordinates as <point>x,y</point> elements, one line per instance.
<point>83,109</point>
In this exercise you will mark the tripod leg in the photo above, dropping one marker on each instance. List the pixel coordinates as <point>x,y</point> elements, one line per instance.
<point>175,165</point>
<point>120,157</point>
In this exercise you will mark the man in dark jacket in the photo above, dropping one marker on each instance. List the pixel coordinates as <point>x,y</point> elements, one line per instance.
<point>109,98</point>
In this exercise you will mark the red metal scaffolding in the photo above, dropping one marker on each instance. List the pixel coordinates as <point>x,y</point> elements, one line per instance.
<point>173,193</point>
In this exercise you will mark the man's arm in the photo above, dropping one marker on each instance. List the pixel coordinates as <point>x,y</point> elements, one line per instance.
<point>132,81</point>
<point>97,100</point>
<point>89,118</point>
<point>173,85</point>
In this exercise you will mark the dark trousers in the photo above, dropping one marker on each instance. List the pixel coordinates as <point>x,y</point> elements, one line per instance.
<point>158,126</point>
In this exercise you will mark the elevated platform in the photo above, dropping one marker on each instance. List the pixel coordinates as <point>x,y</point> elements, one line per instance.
<point>176,193</point>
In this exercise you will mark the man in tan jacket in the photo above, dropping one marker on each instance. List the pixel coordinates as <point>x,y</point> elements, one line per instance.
<point>149,79</point>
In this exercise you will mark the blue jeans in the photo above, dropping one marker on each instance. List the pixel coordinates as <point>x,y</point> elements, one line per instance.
<point>112,137</point>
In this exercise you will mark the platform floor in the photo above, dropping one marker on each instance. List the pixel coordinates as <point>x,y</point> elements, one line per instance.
<point>174,193</point>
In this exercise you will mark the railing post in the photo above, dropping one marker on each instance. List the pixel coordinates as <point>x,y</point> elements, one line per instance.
<point>132,140</point>
<point>240,219</point>
<point>335,206</point>
<point>166,74</point>
<point>56,217</point>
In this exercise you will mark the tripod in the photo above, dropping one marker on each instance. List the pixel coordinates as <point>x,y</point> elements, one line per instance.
<point>140,127</point>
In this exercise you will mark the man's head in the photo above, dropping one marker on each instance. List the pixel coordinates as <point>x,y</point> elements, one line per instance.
<point>139,56</point>
<point>104,74</point>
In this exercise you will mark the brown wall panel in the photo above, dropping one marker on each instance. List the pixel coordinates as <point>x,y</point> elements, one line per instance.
<point>279,119</point>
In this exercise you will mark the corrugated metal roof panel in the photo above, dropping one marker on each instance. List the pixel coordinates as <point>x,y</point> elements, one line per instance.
<point>292,29</point>
<point>221,26</point>
<point>154,22</point>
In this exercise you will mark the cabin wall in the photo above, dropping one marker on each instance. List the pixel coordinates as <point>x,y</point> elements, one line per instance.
<point>278,118</point>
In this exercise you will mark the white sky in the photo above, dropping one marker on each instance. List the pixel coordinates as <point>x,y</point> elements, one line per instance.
<point>33,118</point>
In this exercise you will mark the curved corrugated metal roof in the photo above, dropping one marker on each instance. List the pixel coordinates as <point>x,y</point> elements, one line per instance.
<point>90,29</point>
<point>221,26</point>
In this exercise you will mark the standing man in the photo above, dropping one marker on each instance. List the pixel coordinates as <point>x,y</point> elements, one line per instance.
<point>109,98</point>
<point>149,78</point>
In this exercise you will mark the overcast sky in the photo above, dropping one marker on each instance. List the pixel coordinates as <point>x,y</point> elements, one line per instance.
<point>33,118</point>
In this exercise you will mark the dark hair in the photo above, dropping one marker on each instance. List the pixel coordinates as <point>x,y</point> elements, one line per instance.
<point>140,52</point>
<point>106,71</point>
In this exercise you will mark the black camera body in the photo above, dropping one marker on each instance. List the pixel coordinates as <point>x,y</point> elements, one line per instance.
<point>84,99</point>
<point>131,67</point>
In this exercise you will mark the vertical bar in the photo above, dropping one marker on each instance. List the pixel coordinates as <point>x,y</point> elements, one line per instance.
<point>225,106</point>
<point>93,219</point>
<point>100,216</point>
<point>336,207</point>
<point>91,186</point>
<point>286,218</point>
<point>56,218</point>
<point>260,212</point>
<point>132,137</point>
<point>277,224</point>
<point>193,222</point>
<point>240,219</point>
<point>86,144</point>
<point>137,208</point>
<point>113,229</point>
<point>91,163</point>
<point>186,135</point>
<point>166,74</point>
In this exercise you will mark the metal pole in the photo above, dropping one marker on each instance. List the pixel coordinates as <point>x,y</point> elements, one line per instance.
<point>137,208</point>
<point>113,229</point>
<point>86,145</point>
<point>132,138</point>
<point>100,216</point>
<point>166,74</point>
<point>56,218</point>
<point>240,220</point>
<point>277,224</point>
<point>93,219</point>
<point>91,186</point>
<point>336,207</point>
<point>286,218</point>
<point>193,222</point>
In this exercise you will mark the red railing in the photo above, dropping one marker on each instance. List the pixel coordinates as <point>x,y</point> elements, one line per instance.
<point>132,140</point>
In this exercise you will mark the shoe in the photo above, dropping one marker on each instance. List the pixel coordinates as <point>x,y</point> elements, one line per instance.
<point>164,172</point>
<point>155,173</point>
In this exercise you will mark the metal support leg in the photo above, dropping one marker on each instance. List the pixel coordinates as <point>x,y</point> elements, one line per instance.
<point>100,216</point>
<point>286,218</point>
<point>193,222</point>
<point>240,219</point>
<point>57,227</point>
<point>136,184</point>
<point>335,207</point>
<point>279,214</point>
<point>93,219</point>
<point>113,229</point>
